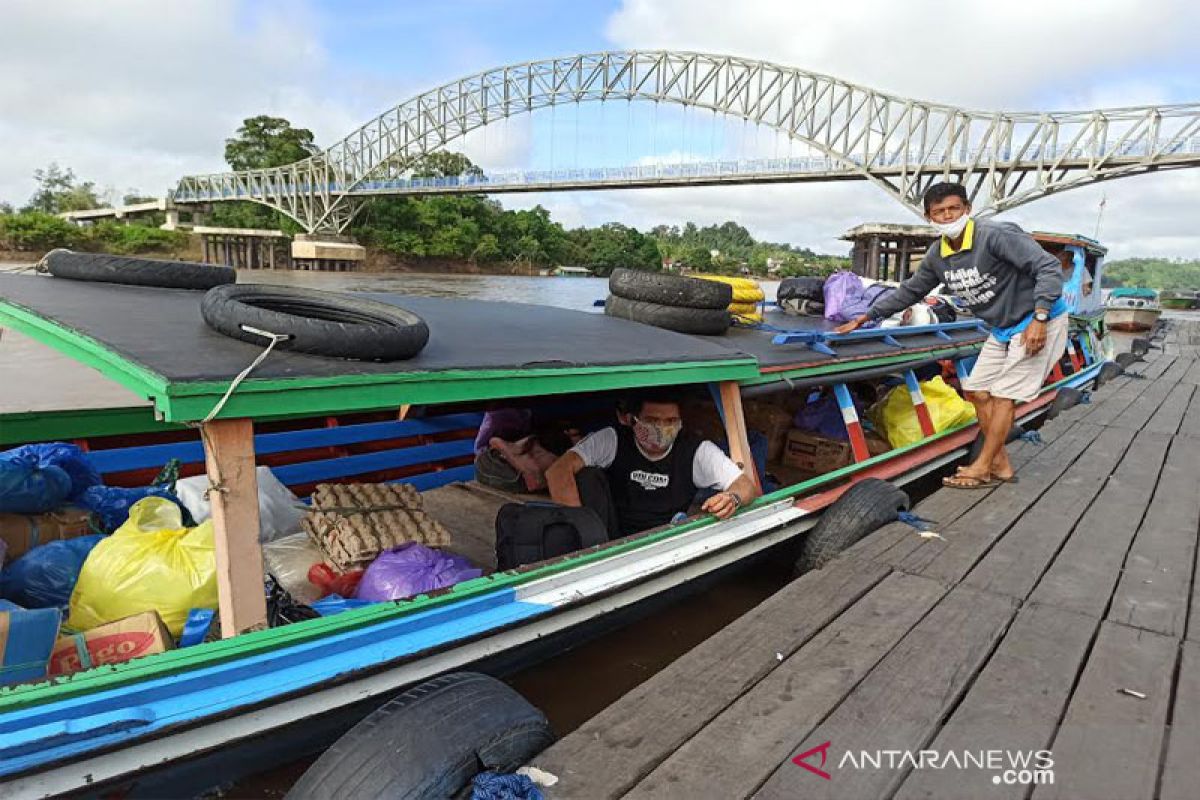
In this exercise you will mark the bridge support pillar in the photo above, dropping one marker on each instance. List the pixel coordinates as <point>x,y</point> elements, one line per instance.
<point>327,253</point>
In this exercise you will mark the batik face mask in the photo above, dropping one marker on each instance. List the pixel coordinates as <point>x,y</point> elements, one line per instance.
<point>654,437</point>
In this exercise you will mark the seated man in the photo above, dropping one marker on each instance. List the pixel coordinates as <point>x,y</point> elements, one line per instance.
<point>640,474</point>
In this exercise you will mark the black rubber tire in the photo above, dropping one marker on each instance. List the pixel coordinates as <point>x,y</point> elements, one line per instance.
<point>1066,398</point>
<point>1108,371</point>
<point>429,742</point>
<point>1125,360</point>
<point>1014,433</point>
<point>321,323</point>
<point>101,268</point>
<point>1139,346</point>
<point>865,507</point>
<point>801,288</point>
<point>669,290</point>
<point>696,321</point>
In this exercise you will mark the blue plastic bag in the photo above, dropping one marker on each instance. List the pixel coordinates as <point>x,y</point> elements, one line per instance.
<point>45,576</point>
<point>196,626</point>
<point>111,504</point>
<point>823,416</point>
<point>332,604</point>
<point>36,478</point>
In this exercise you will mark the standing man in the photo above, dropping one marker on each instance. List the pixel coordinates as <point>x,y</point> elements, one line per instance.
<point>1011,283</point>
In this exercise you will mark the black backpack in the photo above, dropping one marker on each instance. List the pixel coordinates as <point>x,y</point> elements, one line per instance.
<point>531,532</point>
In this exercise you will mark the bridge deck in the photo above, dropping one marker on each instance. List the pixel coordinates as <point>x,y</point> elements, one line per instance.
<point>1056,613</point>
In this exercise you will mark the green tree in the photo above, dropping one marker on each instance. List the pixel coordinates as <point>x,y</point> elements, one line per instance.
<point>59,190</point>
<point>266,141</point>
<point>488,249</point>
<point>445,164</point>
<point>37,230</point>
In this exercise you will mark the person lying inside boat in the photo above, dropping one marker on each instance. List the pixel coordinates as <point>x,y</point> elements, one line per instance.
<point>640,473</point>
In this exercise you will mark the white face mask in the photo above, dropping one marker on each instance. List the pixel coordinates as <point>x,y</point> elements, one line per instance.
<point>952,230</point>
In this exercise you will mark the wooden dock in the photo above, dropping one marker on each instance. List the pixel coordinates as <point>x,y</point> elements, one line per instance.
<point>1056,613</point>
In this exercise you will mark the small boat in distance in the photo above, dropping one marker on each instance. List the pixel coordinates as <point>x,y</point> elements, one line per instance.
<point>1132,309</point>
<point>1179,299</point>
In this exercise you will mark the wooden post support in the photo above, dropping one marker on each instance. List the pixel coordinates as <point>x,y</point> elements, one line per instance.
<point>924,420</point>
<point>854,429</point>
<point>735,430</point>
<point>229,461</point>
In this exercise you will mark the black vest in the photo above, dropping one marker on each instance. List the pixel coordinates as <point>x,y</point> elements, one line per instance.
<point>648,493</point>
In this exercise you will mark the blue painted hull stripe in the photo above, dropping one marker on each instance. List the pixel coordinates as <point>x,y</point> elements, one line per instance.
<point>38,736</point>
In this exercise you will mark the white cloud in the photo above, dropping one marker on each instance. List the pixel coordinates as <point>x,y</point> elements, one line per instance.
<point>140,92</point>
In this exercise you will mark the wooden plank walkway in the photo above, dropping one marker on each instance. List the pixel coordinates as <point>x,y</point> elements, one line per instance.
<point>1059,613</point>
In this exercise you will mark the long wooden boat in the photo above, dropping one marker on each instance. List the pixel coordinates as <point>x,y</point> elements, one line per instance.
<point>1179,299</point>
<point>243,700</point>
<point>1132,309</point>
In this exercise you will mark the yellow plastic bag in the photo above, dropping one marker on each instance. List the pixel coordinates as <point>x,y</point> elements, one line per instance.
<point>746,312</point>
<point>895,418</point>
<point>150,563</point>
<point>745,290</point>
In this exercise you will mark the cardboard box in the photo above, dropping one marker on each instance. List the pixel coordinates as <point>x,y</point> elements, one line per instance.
<point>773,422</point>
<point>26,639</point>
<point>815,454</point>
<point>23,532</point>
<point>131,637</point>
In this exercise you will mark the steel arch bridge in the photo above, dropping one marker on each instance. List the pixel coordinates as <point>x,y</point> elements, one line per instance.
<point>900,144</point>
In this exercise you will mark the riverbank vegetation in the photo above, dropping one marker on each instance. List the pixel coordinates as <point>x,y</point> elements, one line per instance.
<point>1153,273</point>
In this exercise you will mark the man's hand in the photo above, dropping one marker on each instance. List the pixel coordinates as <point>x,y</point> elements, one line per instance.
<point>1035,337</point>
<point>721,505</point>
<point>853,324</point>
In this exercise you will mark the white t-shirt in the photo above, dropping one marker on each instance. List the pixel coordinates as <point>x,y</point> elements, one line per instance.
<point>711,468</point>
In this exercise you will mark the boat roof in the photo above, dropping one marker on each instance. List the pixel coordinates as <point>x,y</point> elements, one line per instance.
<point>1133,291</point>
<point>1075,239</point>
<point>156,344</point>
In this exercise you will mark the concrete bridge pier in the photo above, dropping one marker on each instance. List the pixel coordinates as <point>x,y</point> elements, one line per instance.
<point>327,253</point>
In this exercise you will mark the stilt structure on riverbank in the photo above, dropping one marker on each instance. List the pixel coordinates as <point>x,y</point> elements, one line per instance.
<point>244,248</point>
<point>1058,614</point>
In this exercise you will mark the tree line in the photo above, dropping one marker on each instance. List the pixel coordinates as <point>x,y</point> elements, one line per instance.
<point>464,228</point>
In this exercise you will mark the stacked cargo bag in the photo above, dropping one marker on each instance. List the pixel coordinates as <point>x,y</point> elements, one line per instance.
<point>803,296</point>
<point>747,297</point>
<point>673,302</point>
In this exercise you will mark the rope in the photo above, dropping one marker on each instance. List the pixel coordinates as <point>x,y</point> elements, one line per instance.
<point>1033,437</point>
<point>275,338</point>
<point>495,786</point>
<point>914,521</point>
<point>1085,398</point>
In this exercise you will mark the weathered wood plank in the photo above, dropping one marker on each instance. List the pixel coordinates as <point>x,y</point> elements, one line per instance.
<point>610,752</point>
<point>229,463</point>
<point>1157,577</point>
<point>1192,378</point>
<point>1110,742</point>
<point>1013,706</point>
<point>1086,569</point>
<point>900,705</point>
<point>1190,426</point>
<point>1181,767</point>
<point>1069,463</point>
<point>1110,408</point>
<point>1138,413</point>
<point>739,749</point>
<point>1170,414</point>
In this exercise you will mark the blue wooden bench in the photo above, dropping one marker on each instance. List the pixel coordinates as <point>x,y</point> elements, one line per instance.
<point>331,469</point>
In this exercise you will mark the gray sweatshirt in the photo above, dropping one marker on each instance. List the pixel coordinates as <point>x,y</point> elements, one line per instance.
<point>1001,278</point>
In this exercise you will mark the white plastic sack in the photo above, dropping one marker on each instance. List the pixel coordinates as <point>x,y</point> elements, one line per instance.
<point>289,558</point>
<point>278,509</point>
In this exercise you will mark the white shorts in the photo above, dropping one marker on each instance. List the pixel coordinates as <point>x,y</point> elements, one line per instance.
<point>1003,370</point>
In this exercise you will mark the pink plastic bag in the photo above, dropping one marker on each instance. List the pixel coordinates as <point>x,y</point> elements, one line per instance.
<point>412,569</point>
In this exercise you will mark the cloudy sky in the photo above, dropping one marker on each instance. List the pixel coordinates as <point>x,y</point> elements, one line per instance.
<point>133,94</point>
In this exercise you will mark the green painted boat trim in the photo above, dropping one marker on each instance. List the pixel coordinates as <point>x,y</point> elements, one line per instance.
<point>177,661</point>
<point>866,363</point>
<point>45,426</point>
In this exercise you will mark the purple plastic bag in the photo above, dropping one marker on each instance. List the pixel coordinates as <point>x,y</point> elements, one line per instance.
<point>510,424</point>
<point>843,293</point>
<point>823,416</point>
<point>412,569</point>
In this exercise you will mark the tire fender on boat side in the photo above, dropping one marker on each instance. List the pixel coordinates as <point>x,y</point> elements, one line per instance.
<point>695,321</point>
<point>1139,346</point>
<point>101,268</point>
<point>429,742</point>
<point>321,323</point>
<point>1107,372</point>
<point>669,290</point>
<point>865,507</point>
<point>1125,360</point>
<point>1066,398</point>
<point>1014,433</point>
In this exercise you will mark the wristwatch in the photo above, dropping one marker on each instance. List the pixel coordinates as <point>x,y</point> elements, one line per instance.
<point>1041,316</point>
<point>737,501</point>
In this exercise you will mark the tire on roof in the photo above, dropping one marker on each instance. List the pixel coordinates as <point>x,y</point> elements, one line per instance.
<point>129,271</point>
<point>320,323</point>
<point>696,321</point>
<point>669,290</point>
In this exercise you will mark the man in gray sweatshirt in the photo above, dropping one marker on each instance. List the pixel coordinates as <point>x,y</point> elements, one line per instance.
<point>1011,283</point>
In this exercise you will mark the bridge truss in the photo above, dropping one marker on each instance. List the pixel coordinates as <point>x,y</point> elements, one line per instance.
<point>902,145</point>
